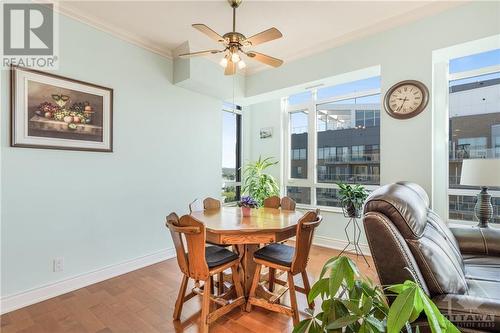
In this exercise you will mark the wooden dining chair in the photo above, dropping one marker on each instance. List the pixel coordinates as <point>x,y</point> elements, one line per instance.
<point>272,202</point>
<point>200,263</point>
<point>290,260</point>
<point>287,203</point>
<point>211,203</point>
<point>197,205</point>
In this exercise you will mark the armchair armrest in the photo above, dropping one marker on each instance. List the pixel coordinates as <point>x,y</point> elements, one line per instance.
<point>475,240</point>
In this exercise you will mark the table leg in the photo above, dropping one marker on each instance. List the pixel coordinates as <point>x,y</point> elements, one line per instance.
<point>248,265</point>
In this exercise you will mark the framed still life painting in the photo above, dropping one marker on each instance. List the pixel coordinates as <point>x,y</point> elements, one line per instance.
<point>54,112</point>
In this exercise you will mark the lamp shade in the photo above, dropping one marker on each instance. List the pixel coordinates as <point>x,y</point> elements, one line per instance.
<point>480,172</point>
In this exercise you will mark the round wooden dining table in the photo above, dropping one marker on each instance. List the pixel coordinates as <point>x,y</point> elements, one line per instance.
<point>228,226</point>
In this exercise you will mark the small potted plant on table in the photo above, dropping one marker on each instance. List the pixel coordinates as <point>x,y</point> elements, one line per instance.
<point>247,203</point>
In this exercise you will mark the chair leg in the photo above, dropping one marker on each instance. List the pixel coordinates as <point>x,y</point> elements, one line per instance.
<point>307,287</point>
<point>293,299</point>
<point>205,306</point>
<point>272,275</point>
<point>211,285</point>
<point>180,298</point>
<point>237,283</point>
<point>220,284</point>
<point>255,283</point>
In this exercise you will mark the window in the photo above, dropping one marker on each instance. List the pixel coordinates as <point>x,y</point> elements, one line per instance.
<point>340,125</point>
<point>299,138</point>
<point>474,126</point>
<point>231,156</point>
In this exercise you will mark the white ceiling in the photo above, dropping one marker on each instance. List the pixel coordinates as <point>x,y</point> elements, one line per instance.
<point>308,26</point>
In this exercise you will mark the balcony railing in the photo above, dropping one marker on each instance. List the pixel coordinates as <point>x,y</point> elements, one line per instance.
<point>466,153</point>
<point>349,178</point>
<point>352,158</point>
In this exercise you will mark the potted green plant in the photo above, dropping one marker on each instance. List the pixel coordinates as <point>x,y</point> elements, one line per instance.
<point>247,203</point>
<point>351,304</point>
<point>258,184</point>
<point>352,198</point>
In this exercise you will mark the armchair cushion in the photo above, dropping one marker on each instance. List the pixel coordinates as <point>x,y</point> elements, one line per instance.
<point>479,267</point>
<point>403,206</point>
<point>442,270</point>
<point>479,309</point>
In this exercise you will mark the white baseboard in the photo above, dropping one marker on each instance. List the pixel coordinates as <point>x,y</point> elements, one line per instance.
<point>35,295</point>
<point>338,244</point>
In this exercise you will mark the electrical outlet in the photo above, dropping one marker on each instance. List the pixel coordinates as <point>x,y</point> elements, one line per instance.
<point>58,265</point>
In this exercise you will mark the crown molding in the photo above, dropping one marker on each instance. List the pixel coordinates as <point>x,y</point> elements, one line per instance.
<point>384,25</point>
<point>114,31</point>
<point>381,26</point>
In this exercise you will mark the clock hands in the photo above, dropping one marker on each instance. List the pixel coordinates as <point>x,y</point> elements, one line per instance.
<point>404,101</point>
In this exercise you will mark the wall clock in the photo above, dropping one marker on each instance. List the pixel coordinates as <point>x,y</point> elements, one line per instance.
<point>406,99</point>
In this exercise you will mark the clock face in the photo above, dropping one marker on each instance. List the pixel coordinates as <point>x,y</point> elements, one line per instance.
<point>406,99</point>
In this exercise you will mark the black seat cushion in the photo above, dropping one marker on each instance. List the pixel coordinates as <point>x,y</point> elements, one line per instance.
<point>216,256</point>
<point>280,254</point>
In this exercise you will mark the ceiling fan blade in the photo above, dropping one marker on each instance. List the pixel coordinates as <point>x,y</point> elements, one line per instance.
<point>230,68</point>
<point>268,60</point>
<point>262,37</point>
<point>199,53</point>
<point>209,32</point>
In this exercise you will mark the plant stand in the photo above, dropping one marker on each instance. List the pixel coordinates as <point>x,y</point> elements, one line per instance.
<point>353,245</point>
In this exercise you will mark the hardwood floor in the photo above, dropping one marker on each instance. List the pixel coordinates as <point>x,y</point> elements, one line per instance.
<point>142,301</point>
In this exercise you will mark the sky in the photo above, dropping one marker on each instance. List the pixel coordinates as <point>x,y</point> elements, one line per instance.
<point>467,63</point>
<point>228,140</point>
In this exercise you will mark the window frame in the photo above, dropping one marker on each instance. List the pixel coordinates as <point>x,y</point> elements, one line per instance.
<point>312,171</point>
<point>463,191</point>
<point>237,183</point>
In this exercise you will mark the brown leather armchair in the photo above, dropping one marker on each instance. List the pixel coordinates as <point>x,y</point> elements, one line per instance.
<point>458,267</point>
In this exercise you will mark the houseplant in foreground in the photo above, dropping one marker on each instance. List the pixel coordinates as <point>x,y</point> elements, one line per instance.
<point>351,304</point>
<point>258,184</point>
<point>352,198</point>
<point>247,203</point>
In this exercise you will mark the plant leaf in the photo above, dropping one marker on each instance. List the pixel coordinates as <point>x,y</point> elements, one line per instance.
<point>375,323</point>
<point>320,287</point>
<point>342,322</point>
<point>303,326</point>
<point>400,310</point>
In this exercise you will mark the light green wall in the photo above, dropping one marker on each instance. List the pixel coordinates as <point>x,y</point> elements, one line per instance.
<point>402,53</point>
<point>256,117</point>
<point>99,209</point>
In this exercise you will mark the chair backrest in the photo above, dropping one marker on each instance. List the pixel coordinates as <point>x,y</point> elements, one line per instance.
<point>196,206</point>
<point>211,203</point>
<point>191,262</point>
<point>272,202</point>
<point>304,238</point>
<point>287,203</point>
<point>398,220</point>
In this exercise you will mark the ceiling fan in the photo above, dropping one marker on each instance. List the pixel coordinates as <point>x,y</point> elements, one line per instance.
<point>234,44</point>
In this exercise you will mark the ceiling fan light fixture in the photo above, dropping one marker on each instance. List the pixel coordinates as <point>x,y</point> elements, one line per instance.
<point>235,57</point>
<point>223,62</point>
<point>234,42</point>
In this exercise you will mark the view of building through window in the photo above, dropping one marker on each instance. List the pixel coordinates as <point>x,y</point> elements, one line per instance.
<point>474,126</point>
<point>231,159</point>
<point>346,140</point>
